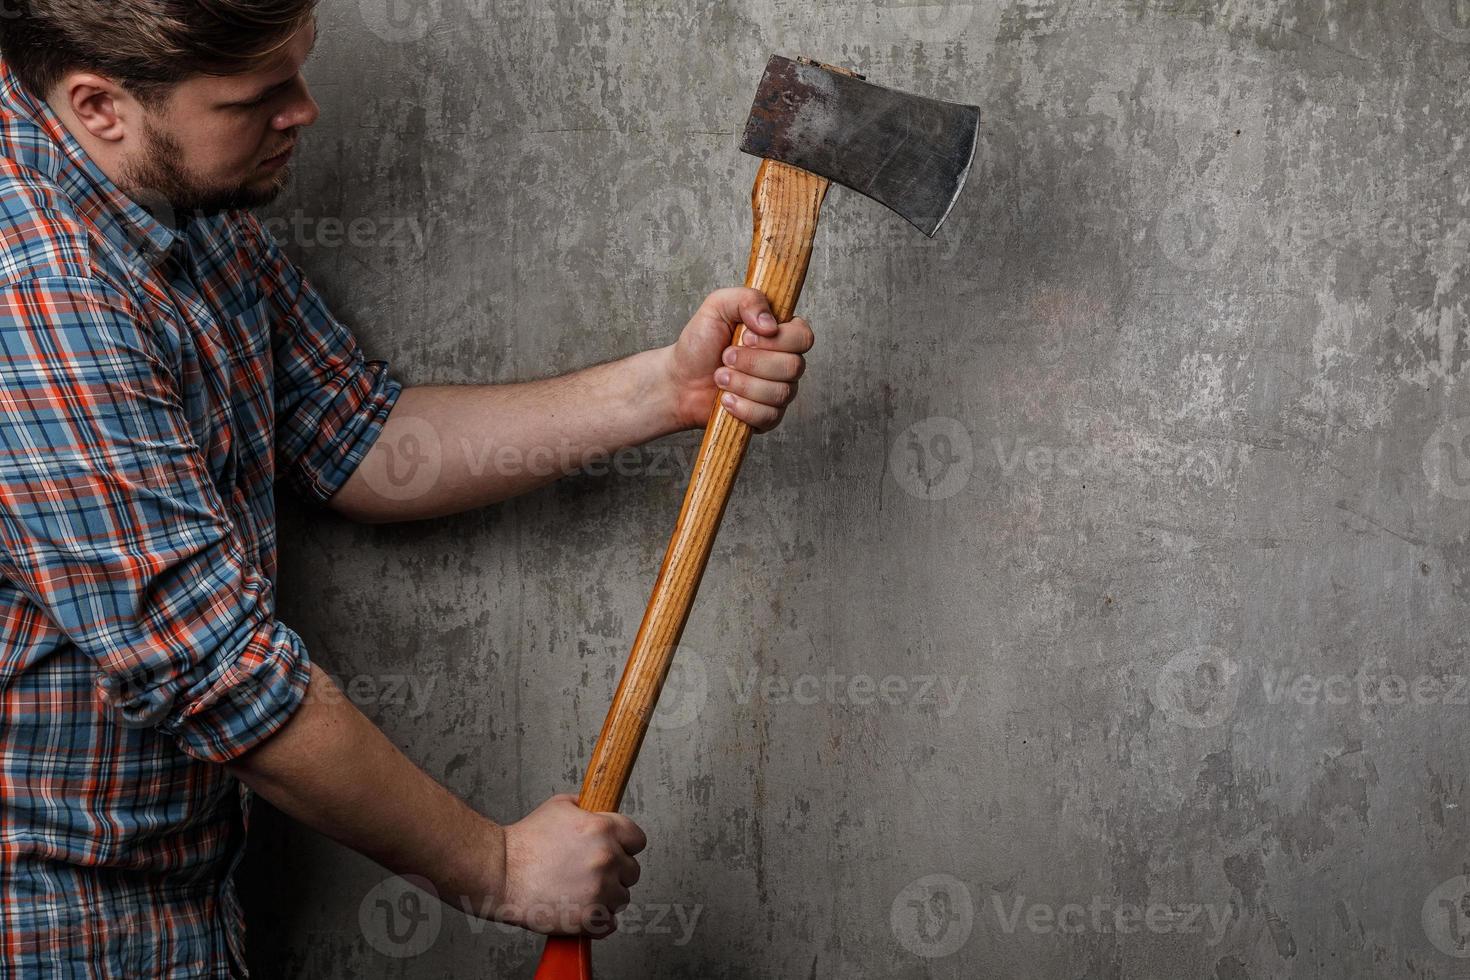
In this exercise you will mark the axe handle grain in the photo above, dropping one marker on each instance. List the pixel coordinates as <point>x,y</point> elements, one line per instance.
<point>787,203</point>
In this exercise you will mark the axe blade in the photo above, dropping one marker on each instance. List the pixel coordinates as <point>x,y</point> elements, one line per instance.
<point>907,152</point>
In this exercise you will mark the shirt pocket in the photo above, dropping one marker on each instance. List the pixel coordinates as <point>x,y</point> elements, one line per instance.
<point>252,387</point>
<point>248,334</point>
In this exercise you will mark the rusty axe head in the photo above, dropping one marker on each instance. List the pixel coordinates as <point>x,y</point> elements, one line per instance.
<point>907,152</point>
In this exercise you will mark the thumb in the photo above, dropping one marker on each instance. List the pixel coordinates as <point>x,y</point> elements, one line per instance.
<point>744,305</point>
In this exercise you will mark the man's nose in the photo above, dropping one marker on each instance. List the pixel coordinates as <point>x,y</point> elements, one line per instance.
<point>301,111</point>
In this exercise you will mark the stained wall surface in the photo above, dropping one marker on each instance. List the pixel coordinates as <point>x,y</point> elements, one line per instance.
<point>1099,611</point>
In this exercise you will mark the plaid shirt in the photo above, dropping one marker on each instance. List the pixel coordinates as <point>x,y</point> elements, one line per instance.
<point>154,380</point>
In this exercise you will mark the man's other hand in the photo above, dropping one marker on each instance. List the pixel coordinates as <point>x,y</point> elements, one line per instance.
<point>569,871</point>
<point>756,380</point>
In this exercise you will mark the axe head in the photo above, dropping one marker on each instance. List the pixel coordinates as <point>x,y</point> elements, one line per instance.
<point>907,152</point>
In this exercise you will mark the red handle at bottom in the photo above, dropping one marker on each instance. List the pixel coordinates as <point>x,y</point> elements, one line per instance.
<point>566,958</point>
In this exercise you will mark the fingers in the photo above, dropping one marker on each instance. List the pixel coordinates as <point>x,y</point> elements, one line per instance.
<point>794,336</point>
<point>627,833</point>
<point>757,384</point>
<point>567,870</point>
<point>761,418</point>
<point>741,305</point>
<point>757,378</point>
<point>777,394</point>
<point>770,365</point>
<point>620,870</point>
<point>629,871</point>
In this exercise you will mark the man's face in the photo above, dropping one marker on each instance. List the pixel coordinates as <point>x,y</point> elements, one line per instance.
<point>217,144</point>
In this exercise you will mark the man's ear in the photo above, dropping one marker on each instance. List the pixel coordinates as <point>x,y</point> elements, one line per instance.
<point>102,106</point>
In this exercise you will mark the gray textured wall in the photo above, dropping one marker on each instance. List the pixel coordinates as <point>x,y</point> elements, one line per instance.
<point>1145,490</point>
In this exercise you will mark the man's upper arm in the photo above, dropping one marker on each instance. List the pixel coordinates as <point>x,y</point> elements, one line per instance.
<point>331,402</point>
<point>111,523</point>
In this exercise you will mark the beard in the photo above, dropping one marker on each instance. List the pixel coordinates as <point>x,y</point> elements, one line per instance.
<point>160,184</point>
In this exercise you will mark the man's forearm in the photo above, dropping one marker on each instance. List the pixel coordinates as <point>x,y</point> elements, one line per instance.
<point>447,449</point>
<point>334,771</point>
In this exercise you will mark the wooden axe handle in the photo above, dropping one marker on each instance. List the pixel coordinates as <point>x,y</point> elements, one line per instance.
<point>787,202</point>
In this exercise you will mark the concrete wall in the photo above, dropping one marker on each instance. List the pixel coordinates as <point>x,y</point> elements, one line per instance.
<point>1145,489</point>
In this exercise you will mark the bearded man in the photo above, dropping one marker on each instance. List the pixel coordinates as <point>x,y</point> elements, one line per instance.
<point>162,364</point>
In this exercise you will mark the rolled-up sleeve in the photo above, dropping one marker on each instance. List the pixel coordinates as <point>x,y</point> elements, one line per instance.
<point>331,402</point>
<point>111,523</point>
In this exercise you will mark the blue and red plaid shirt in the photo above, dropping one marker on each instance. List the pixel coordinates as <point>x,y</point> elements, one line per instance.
<point>155,379</point>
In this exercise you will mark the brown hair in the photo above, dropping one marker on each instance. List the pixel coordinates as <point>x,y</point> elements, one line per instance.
<point>146,46</point>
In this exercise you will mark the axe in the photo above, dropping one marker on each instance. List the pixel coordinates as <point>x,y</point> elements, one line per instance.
<point>814,125</point>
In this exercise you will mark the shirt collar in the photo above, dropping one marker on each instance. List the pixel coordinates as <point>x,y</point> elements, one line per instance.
<point>140,237</point>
